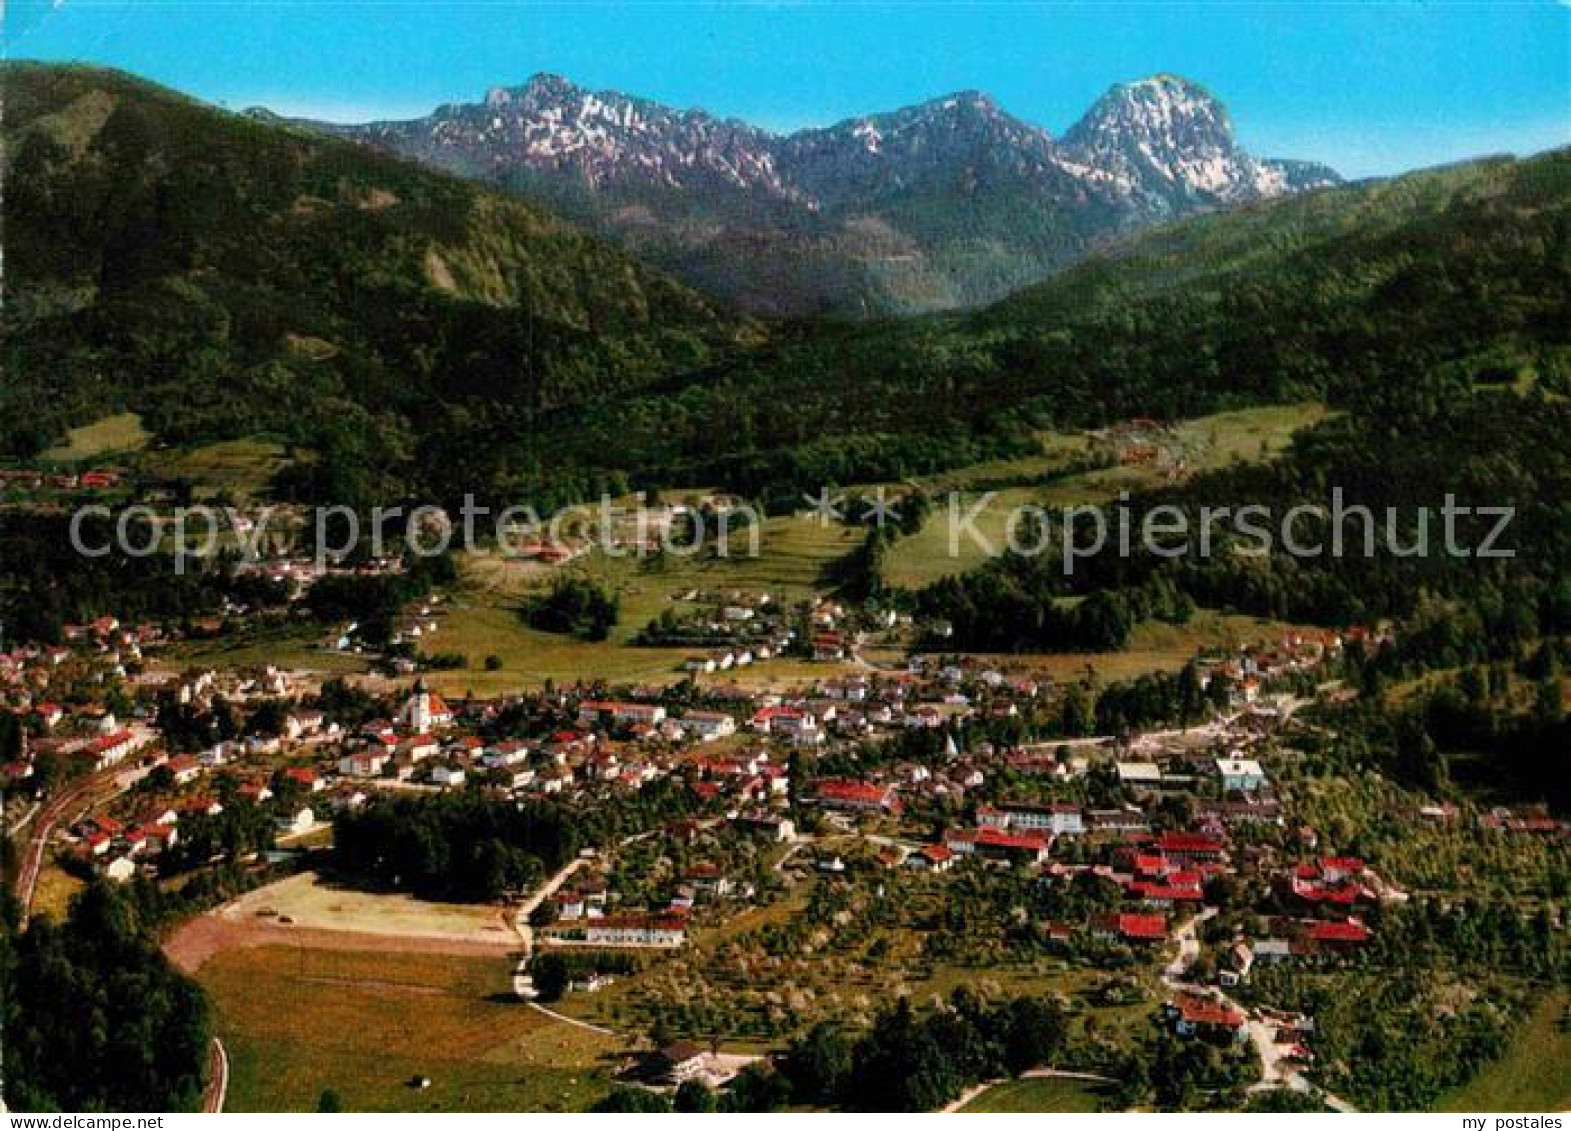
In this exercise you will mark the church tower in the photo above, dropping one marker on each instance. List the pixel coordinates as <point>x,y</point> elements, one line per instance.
<point>417,712</point>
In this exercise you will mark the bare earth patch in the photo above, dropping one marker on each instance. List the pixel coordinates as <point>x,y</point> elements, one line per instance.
<point>308,912</point>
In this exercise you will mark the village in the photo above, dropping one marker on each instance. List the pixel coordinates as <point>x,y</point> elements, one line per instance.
<point>1163,849</point>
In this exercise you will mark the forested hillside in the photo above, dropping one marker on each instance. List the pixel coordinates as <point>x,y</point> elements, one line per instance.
<point>414,333</point>
<point>1346,295</point>
<point>227,278</point>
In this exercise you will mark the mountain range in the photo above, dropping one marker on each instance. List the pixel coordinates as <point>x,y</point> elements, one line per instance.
<point>403,332</point>
<point>950,203</point>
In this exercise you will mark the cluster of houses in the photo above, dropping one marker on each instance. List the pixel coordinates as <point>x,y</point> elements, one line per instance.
<point>585,913</point>
<point>1056,811</point>
<point>735,628</point>
<point>631,741</point>
<point>117,847</point>
<point>45,685</point>
<point>149,822</point>
<point>589,913</point>
<point>727,629</point>
<point>612,744</point>
<point>1155,820</point>
<point>31,480</point>
<point>1160,873</point>
<point>634,929</point>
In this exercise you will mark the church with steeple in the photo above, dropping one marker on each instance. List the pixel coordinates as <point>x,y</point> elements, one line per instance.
<point>424,711</point>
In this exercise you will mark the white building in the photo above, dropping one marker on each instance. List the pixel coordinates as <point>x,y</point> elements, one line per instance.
<point>302,821</point>
<point>1140,775</point>
<point>1241,774</point>
<point>424,711</point>
<point>709,725</point>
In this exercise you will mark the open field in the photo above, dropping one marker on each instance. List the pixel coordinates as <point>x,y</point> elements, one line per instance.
<point>296,647</point>
<point>530,657</point>
<point>1040,1094</point>
<point>1249,434</point>
<point>793,553</point>
<point>360,992</point>
<point>1207,443</point>
<point>483,618</point>
<point>239,468</point>
<point>338,920</point>
<point>1058,450</point>
<point>479,627</point>
<point>314,903</point>
<point>54,891</point>
<point>1534,1074</point>
<point>112,434</point>
<point>1154,646</point>
<point>298,1021</point>
<point>480,623</point>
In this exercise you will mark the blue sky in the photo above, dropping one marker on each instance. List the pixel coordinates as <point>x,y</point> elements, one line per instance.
<point>1369,87</point>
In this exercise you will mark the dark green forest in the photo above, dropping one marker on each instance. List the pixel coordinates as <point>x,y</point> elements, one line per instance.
<point>475,847</point>
<point>138,1031</point>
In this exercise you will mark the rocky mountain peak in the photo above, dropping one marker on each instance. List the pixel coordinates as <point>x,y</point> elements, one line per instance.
<point>866,205</point>
<point>1163,109</point>
<point>1169,139</point>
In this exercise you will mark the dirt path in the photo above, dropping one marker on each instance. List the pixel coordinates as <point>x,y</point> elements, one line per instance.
<point>217,1080</point>
<point>199,939</point>
<point>523,981</point>
<point>565,1019</point>
<point>521,925</point>
<point>976,1090</point>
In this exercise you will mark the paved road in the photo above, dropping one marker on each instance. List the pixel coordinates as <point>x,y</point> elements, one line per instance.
<point>1188,938</point>
<point>1276,1071</point>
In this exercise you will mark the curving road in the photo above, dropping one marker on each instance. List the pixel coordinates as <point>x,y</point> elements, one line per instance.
<point>976,1090</point>
<point>217,1080</point>
<point>1276,1071</point>
<point>63,808</point>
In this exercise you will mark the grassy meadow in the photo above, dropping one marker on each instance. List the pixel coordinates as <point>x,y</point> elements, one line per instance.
<point>1203,444</point>
<point>1042,1094</point>
<point>112,435</point>
<point>240,469</point>
<point>483,619</point>
<point>1535,1072</point>
<point>297,1022</point>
